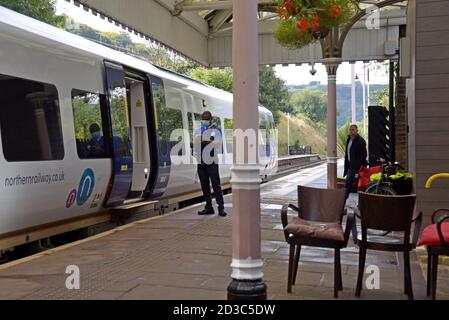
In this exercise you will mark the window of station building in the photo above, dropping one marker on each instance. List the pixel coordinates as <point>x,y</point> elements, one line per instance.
<point>30,120</point>
<point>89,134</point>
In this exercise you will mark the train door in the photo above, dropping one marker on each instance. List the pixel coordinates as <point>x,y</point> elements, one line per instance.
<point>119,136</point>
<point>139,136</point>
<point>159,144</point>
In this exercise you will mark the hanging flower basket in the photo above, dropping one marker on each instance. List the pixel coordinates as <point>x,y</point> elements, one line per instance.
<point>305,21</point>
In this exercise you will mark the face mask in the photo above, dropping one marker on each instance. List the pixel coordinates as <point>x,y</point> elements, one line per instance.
<point>96,135</point>
<point>205,123</point>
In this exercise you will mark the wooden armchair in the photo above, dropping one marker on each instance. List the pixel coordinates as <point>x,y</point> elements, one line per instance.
<point>319,224</point>
<point>392,214</point>
<point>436,239</point>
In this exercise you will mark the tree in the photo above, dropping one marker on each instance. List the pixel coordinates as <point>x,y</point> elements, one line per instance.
<point>273,94</point>
<point>380,97</point>
<point>311,103</point>
<point>86,32</point>
<point>43,10</point>
<point>123,40</point>
<point>184,67</point>
<point>219,78</point>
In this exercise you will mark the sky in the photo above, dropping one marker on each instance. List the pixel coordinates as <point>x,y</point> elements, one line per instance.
<point>290,74</point>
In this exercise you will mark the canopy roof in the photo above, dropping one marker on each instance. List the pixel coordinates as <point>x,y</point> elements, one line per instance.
<point>202,30</point>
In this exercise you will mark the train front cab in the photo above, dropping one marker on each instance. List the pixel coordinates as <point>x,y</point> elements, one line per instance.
<point>140,167</point>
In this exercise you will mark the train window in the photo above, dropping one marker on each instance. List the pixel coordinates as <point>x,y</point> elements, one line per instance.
<point>30,120</point>
<point>90,140</point>
<point>194,124</point>
<point>228,126</point>
<point>168,119</point>
<point>264,136</point>
<point>172,118</point>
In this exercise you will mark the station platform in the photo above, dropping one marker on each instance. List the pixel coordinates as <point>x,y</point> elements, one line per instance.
<point>182,255</point>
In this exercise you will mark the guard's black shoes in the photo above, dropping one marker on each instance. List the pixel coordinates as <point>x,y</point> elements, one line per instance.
<point>206,211</point>
<point>222,213</point>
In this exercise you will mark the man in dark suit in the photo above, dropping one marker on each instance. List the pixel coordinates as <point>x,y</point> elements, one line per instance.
<point>355,157</point>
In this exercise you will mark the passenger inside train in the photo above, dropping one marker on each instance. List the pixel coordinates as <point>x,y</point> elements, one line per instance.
<point>95,146</point>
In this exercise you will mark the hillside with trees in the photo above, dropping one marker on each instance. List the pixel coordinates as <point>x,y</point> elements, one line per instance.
<point>379,94</point>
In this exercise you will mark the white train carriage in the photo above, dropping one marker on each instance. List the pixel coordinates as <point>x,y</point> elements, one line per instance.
<point>57,88</point>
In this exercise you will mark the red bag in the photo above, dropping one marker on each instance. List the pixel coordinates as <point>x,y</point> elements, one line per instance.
<point>365,174</point>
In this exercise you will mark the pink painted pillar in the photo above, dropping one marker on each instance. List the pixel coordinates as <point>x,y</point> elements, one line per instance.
<point>353,100</point>
<point>246,233</point>
<point>332,65</point>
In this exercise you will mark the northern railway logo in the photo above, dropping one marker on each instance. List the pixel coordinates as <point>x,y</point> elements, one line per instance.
<point>85,188</point>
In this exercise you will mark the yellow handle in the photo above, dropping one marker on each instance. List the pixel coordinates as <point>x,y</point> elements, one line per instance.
<point>436,177</point>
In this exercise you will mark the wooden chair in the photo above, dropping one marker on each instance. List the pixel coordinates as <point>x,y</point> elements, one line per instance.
<point>320,214</point>
<point>436,239</point>
<point>387,213</point>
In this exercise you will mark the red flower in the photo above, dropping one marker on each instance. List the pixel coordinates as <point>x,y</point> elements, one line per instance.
<point>336,11</point>
<point>288,6</point>
<point>302,24</point>
<point>280,13</point>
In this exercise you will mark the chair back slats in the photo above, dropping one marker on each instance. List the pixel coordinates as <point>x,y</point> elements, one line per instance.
<point>392,213</point>
<point>324,205</point>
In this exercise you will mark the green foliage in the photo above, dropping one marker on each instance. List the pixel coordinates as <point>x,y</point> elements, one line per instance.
<point>122,41</point>
<point>343,99</point>
<point>342,137</point>
<point>311,103</point>
<point>273,94</point>
<point>218,78</point>
<point>43,10</point>
<point>288,36</point>
<point>85,113</point>
<point>302,132</point>
<point>380,97</point>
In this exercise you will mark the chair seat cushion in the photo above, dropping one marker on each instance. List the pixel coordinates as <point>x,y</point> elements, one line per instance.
<point>319,230</point>
<point>430,236</point>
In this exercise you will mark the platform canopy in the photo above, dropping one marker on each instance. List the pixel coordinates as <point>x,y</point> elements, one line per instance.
<point>202,30</point>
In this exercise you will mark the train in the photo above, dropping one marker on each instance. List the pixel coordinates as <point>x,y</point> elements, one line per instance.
<point>86,128</point>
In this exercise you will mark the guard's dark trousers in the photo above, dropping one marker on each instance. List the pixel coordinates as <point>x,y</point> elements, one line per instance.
<point>209,173</point>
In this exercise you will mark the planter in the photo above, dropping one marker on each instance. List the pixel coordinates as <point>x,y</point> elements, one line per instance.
<point>305,21</point>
